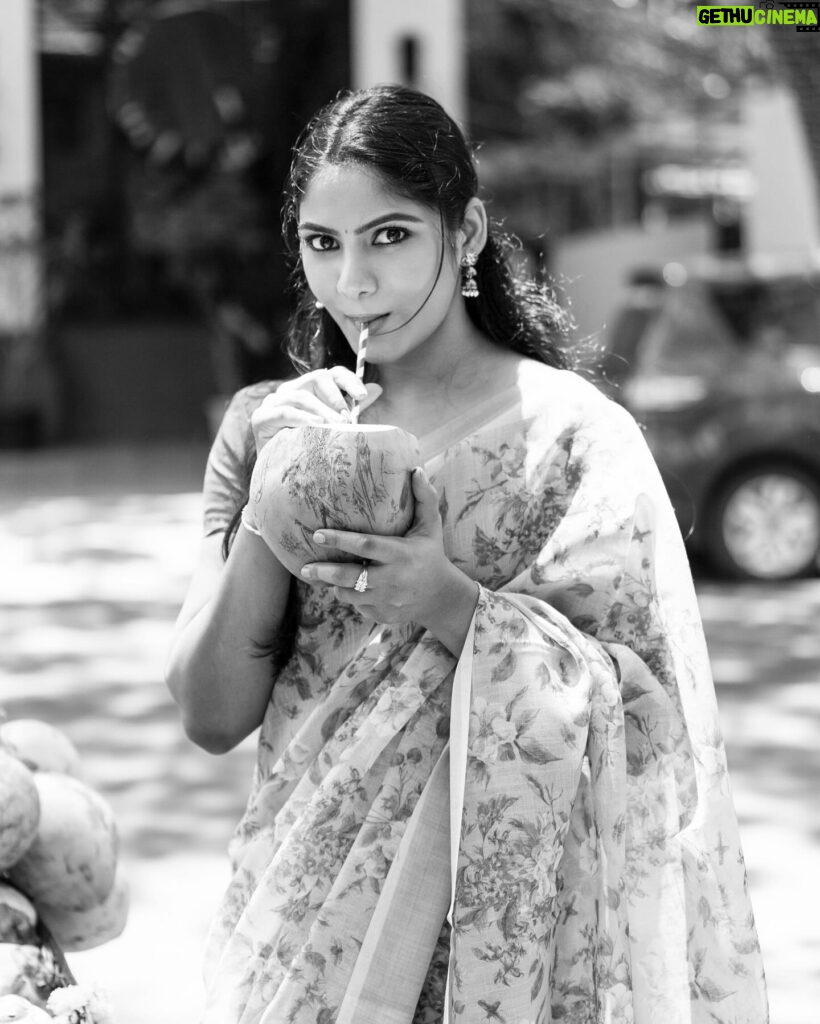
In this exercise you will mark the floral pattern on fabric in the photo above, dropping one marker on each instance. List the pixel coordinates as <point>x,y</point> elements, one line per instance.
<point>599,874</point>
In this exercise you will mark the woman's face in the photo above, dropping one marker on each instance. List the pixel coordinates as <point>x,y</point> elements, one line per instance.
<point>371,255</point>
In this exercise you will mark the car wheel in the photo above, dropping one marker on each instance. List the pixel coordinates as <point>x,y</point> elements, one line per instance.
<point>765,524</point>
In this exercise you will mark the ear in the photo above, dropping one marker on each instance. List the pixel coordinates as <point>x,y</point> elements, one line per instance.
<point>472,235</point>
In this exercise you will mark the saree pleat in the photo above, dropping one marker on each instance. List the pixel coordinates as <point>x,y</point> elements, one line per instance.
<point>584,838</point>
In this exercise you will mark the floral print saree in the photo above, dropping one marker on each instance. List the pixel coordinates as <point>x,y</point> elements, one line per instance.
<point>539,831</point>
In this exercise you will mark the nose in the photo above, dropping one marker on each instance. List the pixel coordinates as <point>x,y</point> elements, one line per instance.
<point>355,277</point>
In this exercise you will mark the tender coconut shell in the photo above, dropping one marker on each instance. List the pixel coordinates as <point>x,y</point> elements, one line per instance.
<point>342,476</point>
<point>18,1010</point>
<point>41,746</point>
<point>76,930</point>
<point>19,809</point>
<point>18,917</point>
<point>72,862</point>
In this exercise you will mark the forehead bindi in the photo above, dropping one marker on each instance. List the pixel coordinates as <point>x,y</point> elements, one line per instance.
<point>347,199</point>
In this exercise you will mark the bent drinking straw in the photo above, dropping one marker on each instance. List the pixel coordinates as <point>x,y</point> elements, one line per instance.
<point>361,355</point>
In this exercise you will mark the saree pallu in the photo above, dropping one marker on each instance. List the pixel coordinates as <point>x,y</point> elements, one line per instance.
<point>539,831</point>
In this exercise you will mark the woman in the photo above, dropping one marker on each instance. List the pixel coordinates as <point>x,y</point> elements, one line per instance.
<point>521,692</point>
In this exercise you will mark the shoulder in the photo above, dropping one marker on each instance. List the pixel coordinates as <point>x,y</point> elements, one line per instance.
<point>246,401</point>
<point>231,457</point>
<point>546,390</point>
<point>562,403</point>
<point>561,406</point>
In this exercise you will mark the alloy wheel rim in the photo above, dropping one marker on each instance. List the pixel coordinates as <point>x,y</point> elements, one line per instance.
<point>771,525</point>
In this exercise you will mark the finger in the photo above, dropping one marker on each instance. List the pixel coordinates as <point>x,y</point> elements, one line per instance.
<point>348,382</point>
<point>288,410</point>
<point>427,518</point>
<point>367,546</point>
<point>328,391</point>
<point>338,574</point>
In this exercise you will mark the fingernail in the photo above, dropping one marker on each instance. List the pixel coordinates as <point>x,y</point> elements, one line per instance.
<point>319,538</point>
<point>305,571</point>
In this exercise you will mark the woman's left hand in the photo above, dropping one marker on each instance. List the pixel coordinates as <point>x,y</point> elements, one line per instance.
<point>409,578</point>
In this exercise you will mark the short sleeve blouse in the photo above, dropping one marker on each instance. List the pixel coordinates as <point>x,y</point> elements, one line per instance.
<point>228,470</point>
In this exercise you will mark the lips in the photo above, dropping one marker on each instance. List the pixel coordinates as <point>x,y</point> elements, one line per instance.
<point>367,321</point>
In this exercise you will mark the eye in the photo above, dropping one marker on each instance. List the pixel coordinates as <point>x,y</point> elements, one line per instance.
<point>319,243</point>
<point>390,235</point>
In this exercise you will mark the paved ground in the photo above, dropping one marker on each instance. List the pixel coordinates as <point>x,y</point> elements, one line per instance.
<point>96,548</point>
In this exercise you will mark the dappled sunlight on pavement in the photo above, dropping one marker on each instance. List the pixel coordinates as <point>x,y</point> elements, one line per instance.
<point>97,548</point>
<point>765,648</point>
<point>92,584</point>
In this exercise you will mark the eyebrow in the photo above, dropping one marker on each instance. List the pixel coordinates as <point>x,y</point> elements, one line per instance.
<point>384,219</point>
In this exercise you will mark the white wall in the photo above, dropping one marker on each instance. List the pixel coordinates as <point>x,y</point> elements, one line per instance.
<point>593,269</point>
<point>21,307</point>
<point>19,102</point>
<point>783,214</point>
<point>378,26</point>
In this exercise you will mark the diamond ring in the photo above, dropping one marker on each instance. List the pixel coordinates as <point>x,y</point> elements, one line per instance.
<point>361,583</point>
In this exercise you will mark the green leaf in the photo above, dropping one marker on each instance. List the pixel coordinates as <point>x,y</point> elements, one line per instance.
<point>302,687</point>
<point>443,506</point>
<point>631,691</point>
<point>468,918</point>
<point>746,946</point>
<point>504,669</point>
<point>510,920</point>
<point>539,981</point>
<point>525,721</point>
<point>581,589</point>
<point>613,898</point>
<point>508,710</point>
<point>711,990</point>
<point>533,752</point>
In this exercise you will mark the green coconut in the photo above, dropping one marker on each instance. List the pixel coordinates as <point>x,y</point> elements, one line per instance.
<point>76,930</point>
<point>72,862</point>
<point>353,477</point>
<point>41,746</point>
<point>19,809</point>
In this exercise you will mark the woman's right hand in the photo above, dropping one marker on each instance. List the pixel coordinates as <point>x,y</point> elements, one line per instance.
<point>315,397</point>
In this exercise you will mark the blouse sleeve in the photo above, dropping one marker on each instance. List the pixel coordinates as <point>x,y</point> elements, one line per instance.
<point>230,461</point>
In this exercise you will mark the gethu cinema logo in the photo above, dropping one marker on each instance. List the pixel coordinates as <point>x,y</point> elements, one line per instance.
<point>802,15</point>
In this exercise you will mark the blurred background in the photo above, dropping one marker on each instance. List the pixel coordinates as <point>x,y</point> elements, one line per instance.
<point>662,173</point>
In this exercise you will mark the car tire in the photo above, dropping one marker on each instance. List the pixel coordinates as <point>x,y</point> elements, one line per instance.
<point>764,524</point>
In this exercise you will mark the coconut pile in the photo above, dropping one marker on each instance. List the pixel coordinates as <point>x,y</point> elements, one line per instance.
<point>60,889</point>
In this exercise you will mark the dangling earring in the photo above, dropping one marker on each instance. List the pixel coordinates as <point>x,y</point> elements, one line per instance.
<point>318,305</point>
<point>469,286</point>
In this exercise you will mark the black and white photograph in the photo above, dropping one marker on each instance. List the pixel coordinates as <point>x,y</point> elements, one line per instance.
<point>409,512</point>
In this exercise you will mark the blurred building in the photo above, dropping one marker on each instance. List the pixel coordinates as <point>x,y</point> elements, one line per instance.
<point>421,44</point>
<point>741,187</point>
<point>166,130</point>
<point>26,386</point>
<point>155,273</point>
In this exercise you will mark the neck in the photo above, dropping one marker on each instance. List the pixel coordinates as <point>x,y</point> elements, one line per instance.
<point>450,362</point>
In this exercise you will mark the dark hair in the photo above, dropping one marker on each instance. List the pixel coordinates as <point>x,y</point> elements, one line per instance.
<point>419,151</point>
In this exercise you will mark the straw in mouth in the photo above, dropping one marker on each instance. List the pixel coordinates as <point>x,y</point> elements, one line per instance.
<point>361,355</point>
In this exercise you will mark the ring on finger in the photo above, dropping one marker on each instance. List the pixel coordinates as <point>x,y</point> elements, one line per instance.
<point>361,583</point>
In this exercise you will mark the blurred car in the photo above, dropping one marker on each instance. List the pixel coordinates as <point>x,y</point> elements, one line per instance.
<point>720,363</point>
